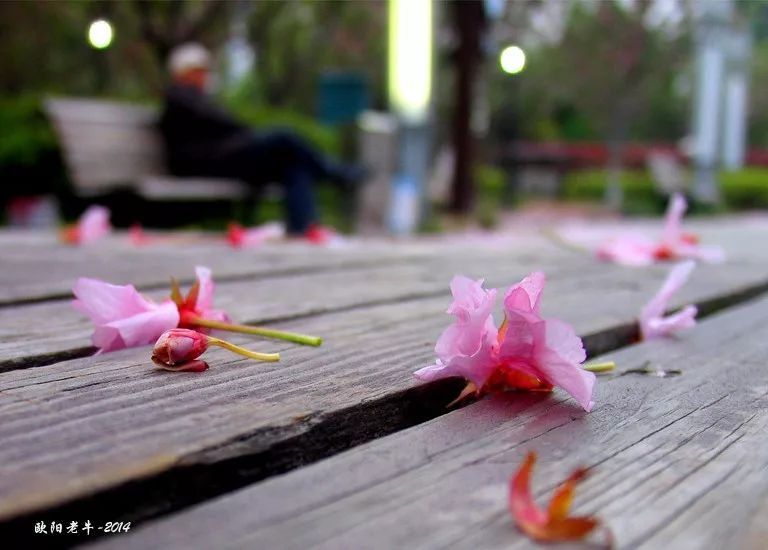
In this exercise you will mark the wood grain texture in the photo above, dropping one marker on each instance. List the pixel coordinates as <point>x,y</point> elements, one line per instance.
<point>41,333</point>
<point>88,425</point>
<point>38,268</point>
<point>674,463</point>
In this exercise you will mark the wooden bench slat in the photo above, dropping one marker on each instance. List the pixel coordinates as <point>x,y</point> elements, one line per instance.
<point>38,270</point>
<point>675,462</point>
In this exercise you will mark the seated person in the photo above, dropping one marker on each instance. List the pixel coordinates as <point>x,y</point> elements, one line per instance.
<point>203,140</point>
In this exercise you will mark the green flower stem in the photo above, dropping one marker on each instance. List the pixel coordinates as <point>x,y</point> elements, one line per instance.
<point>269,333</point>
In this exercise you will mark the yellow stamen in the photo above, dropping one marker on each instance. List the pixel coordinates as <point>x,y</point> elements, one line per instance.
<point>242,351</point>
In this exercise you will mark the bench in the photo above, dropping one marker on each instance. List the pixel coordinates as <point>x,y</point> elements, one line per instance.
<point>111,146</point>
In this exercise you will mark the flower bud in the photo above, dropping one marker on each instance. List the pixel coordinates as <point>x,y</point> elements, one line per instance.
<point>178,346</point>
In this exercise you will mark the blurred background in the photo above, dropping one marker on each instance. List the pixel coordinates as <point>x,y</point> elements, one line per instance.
<point>462,112</point>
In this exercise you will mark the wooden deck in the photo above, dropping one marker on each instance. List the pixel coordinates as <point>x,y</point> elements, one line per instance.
<point>339,446</point>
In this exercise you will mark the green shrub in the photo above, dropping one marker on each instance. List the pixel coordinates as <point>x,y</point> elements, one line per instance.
<point>29,158</point>
<point>742,189</point>
<point>491,193</point>
<point>323,137</point>
<point>640,194</point>
<point>747,188</point>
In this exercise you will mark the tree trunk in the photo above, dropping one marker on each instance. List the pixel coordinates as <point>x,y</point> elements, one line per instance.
<point>468,22</point>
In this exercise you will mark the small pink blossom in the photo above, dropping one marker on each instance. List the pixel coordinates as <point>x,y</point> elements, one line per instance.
<point>251,237</point>
<point>653,323</point>
<point>675,243</point>
<point>92,226</point>
<point>124,318</point>
<point>178,349</point>
<point>526,352</point>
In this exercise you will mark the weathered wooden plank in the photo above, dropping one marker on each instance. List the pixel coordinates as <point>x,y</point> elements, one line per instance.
<point>37,267</point>
<point>676,462</point>
<point>43,269</point>
<point>89,425</point>
<point>28,337</point>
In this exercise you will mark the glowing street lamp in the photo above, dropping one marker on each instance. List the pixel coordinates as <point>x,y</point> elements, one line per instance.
<point>410,58</point>
<point>512,59</point>
<point>100,34</point>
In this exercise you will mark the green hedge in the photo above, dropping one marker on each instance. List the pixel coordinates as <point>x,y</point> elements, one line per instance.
<point>323,137</point>
<point>29,154</point>
<point>746,188</point>
<point>743,189</point>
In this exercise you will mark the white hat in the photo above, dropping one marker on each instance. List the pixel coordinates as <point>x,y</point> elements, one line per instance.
<point>188,56</point>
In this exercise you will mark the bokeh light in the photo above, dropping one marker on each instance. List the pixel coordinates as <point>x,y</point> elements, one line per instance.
<point>512,59</point>
<point>100,34</point>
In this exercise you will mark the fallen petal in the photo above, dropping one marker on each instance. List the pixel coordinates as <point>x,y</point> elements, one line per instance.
<point>554,525</point>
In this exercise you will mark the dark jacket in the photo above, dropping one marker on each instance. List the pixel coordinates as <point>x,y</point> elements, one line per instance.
<point>199,136</point>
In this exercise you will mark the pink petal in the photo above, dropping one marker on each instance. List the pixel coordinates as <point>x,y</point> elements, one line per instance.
<point>562,339</point>
<point>627,250</point>
<point>677,277</point>
<point>436,372</point>
<point>664,326</point>
<point>93,224</point>
<point>558,355</point>
<point>205,293</point>
<point>518,342</point>
<point>526,295</point>
<point>476,368</point>
<point>472,306</point>
<point>674,218</point>
<point>468,295</point>
<point>105,302</point>
<point>136,330</point>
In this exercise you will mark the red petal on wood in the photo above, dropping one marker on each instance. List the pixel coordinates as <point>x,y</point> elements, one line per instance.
<point>552,525</point>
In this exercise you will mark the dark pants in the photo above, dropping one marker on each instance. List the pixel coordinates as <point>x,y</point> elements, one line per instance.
<point>285,158</point>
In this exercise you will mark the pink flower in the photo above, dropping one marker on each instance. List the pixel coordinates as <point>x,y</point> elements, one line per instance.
<point>241,237</point>
<point>653,324</point>
<point>92,226</point>
<point>527,352</point>
<point>124,318</point>
<point>178,348</point>
<point>674,244</point>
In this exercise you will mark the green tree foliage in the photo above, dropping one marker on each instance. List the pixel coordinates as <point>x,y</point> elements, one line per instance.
<point>610,76</point>
<point>296,40</point>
